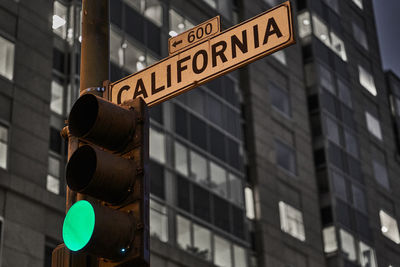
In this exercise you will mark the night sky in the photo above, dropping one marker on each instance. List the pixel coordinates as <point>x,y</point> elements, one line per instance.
<point>387,16</point>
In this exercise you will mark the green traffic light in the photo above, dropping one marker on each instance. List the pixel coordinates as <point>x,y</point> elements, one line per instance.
<point>78,225</point>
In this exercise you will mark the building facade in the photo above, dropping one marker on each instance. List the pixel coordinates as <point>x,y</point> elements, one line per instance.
<point>290,161</point>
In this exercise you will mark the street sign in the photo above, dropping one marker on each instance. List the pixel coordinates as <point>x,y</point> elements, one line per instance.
<point>194,35</point>
<point>209,59</point>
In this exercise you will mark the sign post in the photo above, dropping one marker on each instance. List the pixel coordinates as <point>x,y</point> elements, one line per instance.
<point>208,59</point>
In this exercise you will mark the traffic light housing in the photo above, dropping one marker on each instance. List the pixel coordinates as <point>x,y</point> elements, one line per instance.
<point>109,170</point>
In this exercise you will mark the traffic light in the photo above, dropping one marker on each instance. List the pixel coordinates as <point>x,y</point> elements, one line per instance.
<point>109,169</point>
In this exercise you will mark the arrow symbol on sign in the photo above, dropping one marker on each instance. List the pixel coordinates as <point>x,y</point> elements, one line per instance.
<point>176,43</point>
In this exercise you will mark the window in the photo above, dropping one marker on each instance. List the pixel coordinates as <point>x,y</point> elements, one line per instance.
<point>280,56</point>
<point>285,156</point>
<point>359,35</point>
<point>177,23</point>
<point>359,198</point>
<point>7,49</point>
<point>373,125</point>
<point>212,3</point>
<point>358,3</point>
<point>181,159</point>
<point>379,168</point>
<point>333,4</point>
<point>222,252</point>
<point>3,147</point>
<point>218,180</point>
<point>60,19</point>
<point>53,175</point>
<point>367,80</point>
<point>151,9</point>
<point>339,184</point>
<point>198,167</point>
<point>329,38</point>
<point>304,22</point>
<point>240,258</point>
<point>348,245</point>
<point>183,232</point>
<point>351,143</point>
<point>367,255</point>
<point>158,221</point>
<point>332,130</point>
<point>135,58</point>
<point>157,145</point>
<point>291,221</point>
<point>329,237</point>
<point>236,189</point>
<point>344,93</point>
<point>249,199</point>
<point>389,227</point>
<point>57,98</point>
<point>326,79</point>
<point>280,99</point>
<point>202,242</point>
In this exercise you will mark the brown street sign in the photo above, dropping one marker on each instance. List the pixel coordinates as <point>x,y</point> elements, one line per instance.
<point>209,59</point>
<point>194,35</point>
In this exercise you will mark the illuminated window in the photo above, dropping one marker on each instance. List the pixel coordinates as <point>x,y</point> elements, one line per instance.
<point>57,97</point>
<point>389,227</point>
<point>181,159</point>
<point>304,22</point>
<point>157,145</point>
<point>249,199</point>
<point>151,9</point>
<point>183,232</point>
<point>329,237</point>
<point>373,125</point>
<point>236,189</point>
<point>222,252</point>
<point>358,3</point>
<point>201,242</point>
<point>177,23</point>
<point>337,45</point>
<point>60,19</point>
<point>53,175</point>
<point>321,30</point>
<point>291,221</point>
<point>3,147</point>
<point>280,56</point>
<point>158,221</point>
<point>240,257</point>
<point>198,167</point>
<point>212,3</point>
<point>6,58</point>
<point>333,4</point>
<point>367,80</point>
<point>218,180</point>
<point>348,245</point>
<point>367,255</point>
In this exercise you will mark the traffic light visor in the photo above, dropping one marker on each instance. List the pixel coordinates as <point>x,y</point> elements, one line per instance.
<point>78,225</point>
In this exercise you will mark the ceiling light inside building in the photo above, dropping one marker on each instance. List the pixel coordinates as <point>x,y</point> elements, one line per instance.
<point>58,22</point>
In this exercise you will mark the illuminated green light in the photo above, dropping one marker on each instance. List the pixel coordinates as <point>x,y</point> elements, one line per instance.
<point>78,225</point>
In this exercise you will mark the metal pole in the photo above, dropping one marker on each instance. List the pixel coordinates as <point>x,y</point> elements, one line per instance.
<point>94,71</point>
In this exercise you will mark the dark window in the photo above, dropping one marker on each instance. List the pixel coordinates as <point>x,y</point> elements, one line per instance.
<point>342,213</point>
<point>347,116</point>
<point>359,198</point>
<point>363,225</point>
<point>329,103</point>
<point>221,213</point>
<point>216,87</point>
<point>55,140</point>
<point>319,157</point>
<point>340,186</point>
<point>116,12</point>
<point>217,143</point>
<point>234,158</point>
<point>285,156</point>
<point>198,132</point>
<point>196,100</point>
<point>201,199</point>
<point>335,156</point>
<point>216,111</point>
<point>230,94</point>
<point>354,168</point>
<point>134,24</point>
<point>183,186</point>
<point>233,122</point>
<point>238,222</point>
<point>156,113</point>
<point>153,37</point>
<point>58,60</point>
<point>157,186</point>
<point>279,99</point>
<point>181,121</point>
<point>326,215</point>
<point>115,72</point>
<point>50,245</point>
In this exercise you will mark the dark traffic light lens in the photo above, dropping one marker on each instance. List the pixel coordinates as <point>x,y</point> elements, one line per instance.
<point>78,225</point>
